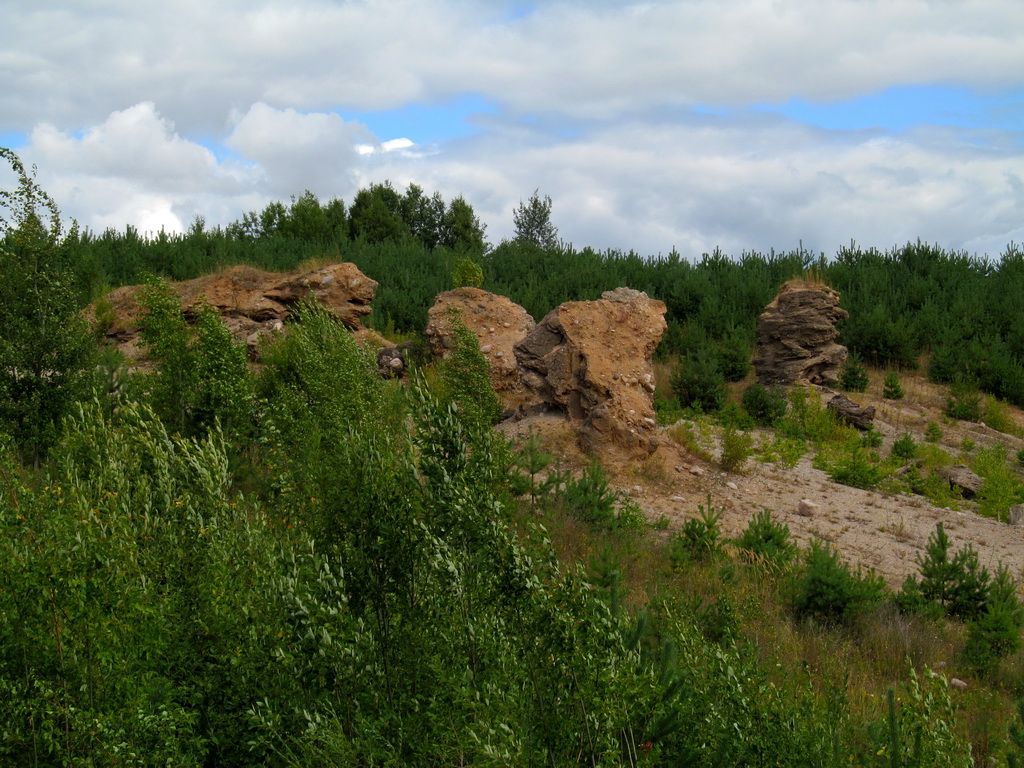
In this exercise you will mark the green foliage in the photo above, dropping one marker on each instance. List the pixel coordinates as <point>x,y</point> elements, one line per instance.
<point>786,451</point>
<point>737,447</point>
<point>700,537</point>
<point>920,731</point>
<point>1001,486</point>
<point>766,406</point>
<point>533,225</point>
<point>828,591</point>
<point>202,374</point>
<point>768,540</point>
<point>956,583</point>
<point>904,447</point>
<point>850,464</point>
<point>808,419</point>
<point>467,272</point>
<point>964,401</point>
<point>891,389</point>
<point>465,377</point>
<point>933,432</point>
<point>697,383</point>
<point>854,377</point>
<point>46,349</point>
<point>996,632</point>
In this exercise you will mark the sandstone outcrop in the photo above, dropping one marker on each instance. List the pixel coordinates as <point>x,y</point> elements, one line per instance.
<point>253,303</point>
<point>854,414</point>
<point>592,359</point>
<point>497,322</point>
<point>796,336</point>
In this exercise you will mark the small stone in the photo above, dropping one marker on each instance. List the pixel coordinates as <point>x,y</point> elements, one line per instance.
<point>506,325</point>
<point>1017,515</point>
<point>676,498</point>
<point>650,422</point>
<point>696,471</point>
<point>807,508</point>
<point>959,684</point>
<point>733,486</point>
<point>485,348</point>
<point>499,353</point>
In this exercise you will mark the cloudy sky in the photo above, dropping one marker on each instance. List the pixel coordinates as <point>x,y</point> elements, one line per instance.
<point>744,124</point>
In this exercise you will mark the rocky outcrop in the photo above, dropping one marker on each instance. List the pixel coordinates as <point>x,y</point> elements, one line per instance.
<point>254,304</point>
<point>796,336</point>
<point>854,414</point>
<point>497,322</point>
<point>962,479</point>
<point>592,359</point>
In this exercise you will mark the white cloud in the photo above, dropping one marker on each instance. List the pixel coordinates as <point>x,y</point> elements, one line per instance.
<point>234,104</point>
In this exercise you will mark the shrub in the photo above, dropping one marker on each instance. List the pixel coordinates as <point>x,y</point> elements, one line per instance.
<point>933,432</point>
<point>700,537</point>
<point>996,632</point>
<point>891,389</point>
<point>959,585</point>
<point>465,377</point>
<point>698,383</point>
<point>852,465</point>
<point>590,497</point>
<point>768,539</point>
<point>786,451</point>
<point>467,273</point>
<point>736,449</point>
<point>904,447</point>
<point>964,401</point>
<point>854,378</point>
<point>829,591</point>
<point>765,406</point>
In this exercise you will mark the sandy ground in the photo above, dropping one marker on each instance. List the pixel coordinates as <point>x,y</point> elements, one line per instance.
<point>885,532</point>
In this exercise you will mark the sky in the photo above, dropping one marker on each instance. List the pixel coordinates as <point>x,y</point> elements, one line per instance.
<point>744,125</point>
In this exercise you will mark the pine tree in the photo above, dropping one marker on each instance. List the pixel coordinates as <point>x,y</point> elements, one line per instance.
<point>891,389</point>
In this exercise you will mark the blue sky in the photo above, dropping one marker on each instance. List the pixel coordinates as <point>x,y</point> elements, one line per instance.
<point>688,124</point>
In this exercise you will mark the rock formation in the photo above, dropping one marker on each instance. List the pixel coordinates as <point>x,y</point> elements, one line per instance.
<point>796,336</point>
<point>592,359</point>
<point>253,303</point>
<point>497,322</point>
<point>854,414</point>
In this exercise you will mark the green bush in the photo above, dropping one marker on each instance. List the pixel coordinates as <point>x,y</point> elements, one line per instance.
<point>827,590</point>
<point>700,537</point>
<point>964,401</point>
<point>465,377</point>
<point>737,447</point>
<point>766,406</point>
<point>854,377</point>
<point>767,539</point>
<point>698,383</point>
<point>956,583</point>
<point>590,497</point>
<point>995,633</point>
<point>904,447</point>
<point>933,432</point>
<point>891,389</point>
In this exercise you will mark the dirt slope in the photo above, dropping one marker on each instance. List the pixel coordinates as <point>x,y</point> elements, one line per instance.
<point>881,531</point>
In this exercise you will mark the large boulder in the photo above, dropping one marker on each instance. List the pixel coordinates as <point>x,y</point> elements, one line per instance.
<point>592,359</point>
<point>253,303</point>
<point>796,336</point>
<point>498,324</point>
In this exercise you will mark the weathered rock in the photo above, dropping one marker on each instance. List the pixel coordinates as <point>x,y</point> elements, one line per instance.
<point>253,303</point>
<point>592,359</point>
<point>1016,516</point>
<point>796,336</point>
<point>497,322</point>
<point>394,361</point>
<point>854,414</point>
<point>807,508</point>
<point>957,683</point>
<point>961,478</point>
